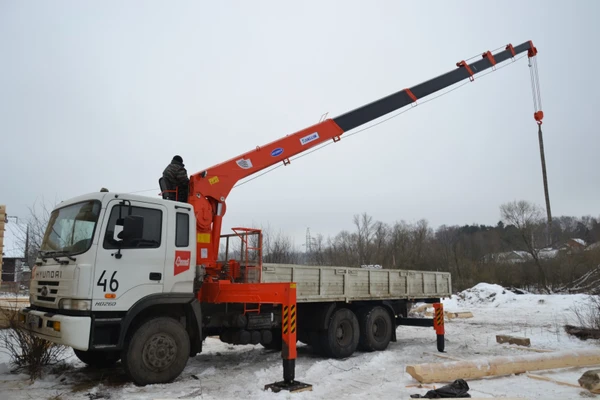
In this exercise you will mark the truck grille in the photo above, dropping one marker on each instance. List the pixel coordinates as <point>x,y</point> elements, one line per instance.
<point>47,290</point>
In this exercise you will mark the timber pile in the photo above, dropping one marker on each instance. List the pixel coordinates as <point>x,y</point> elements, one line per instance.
<point>427,310</point>
<point>582,333</point>
<point>498,366</point>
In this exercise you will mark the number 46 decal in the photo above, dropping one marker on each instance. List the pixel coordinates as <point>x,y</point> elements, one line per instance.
<point>113,284</point>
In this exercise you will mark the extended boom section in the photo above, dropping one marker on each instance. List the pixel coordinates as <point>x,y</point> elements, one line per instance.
<point>209,188</point>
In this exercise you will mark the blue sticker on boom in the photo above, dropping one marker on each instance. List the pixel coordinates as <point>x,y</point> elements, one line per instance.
<point>276,152</point>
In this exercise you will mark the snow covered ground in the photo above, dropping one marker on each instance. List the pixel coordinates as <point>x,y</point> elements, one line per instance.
<point>223,371</point>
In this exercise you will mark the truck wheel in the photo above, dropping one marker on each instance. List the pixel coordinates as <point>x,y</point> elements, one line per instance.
<point>375,329</point>
<point>341,337</point>
<point>157,351</point>
<point>98,359</point>
<point>276,342</point>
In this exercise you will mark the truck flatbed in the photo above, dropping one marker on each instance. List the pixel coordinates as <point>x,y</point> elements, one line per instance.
<point>330,283</point>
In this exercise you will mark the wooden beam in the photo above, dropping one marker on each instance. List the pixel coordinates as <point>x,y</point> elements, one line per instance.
<point>520,341</point>
<point>498,366</point>
<point>461,314</point>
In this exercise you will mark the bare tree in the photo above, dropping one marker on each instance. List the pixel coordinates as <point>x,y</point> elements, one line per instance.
<point>382,244</point>
<point>278,248</point>
<point>526,217</point>
<point>319,256</point>
<point>420,235</point>
<point>401,244</point>
<point>365,229</point>
<point>448,240</point>
<point>31,231</point>
<point>343,249</point>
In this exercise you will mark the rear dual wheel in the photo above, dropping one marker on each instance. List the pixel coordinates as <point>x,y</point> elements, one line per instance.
<point>375,328</point>
<point>370,329</point>
<point>340,340</point>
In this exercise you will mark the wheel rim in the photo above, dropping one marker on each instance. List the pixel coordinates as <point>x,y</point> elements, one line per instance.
<point>159,352</point>
<point>343,333</point>
<point>379,329</point>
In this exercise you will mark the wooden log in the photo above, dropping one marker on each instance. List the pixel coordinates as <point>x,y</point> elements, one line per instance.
<point>534,349</point>
<point>498,366</point>
<point>461,314</point>
<point>521,341</point>
<point>590,380</point>
<point>548,379</point>
<point>421,308</point>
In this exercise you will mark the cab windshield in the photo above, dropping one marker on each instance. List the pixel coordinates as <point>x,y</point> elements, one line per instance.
<point>71,229</point>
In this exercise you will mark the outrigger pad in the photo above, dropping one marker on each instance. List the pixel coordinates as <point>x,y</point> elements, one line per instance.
<point>293,386</point>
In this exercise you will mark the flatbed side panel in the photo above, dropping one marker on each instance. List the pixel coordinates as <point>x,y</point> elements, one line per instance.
<point>330,283</point>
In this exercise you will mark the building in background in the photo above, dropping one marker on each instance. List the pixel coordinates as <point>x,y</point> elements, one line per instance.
<point>13,242</point>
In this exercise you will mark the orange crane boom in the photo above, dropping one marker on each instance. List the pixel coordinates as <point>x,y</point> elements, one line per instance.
<point>209,188</point>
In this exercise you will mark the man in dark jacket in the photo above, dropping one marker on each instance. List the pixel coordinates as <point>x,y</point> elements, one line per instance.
<point>175,176</point>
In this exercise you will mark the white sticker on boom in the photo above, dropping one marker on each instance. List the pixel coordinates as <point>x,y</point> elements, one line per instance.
<point>307,139</point>
<point>245,164</point>
<point>203,253</point>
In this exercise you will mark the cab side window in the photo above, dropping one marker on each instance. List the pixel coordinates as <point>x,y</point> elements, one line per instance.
<point>152,228</point>
<point>182,230</point>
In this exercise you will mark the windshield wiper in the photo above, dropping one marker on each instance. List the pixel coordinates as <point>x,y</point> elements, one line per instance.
<point>42,254</point>
<point>56,254</point>
<point>63,253</point>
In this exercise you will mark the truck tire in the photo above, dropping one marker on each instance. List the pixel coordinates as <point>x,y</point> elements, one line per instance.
<point>340,340</point>
<point>276,342</point>
<point>375,328</point>
<point>157,351</point>
<point>98,359</point>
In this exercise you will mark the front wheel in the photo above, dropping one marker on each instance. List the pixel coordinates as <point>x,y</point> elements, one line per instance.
<point>157,351</point>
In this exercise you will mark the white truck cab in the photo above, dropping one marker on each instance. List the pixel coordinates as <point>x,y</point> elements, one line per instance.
<point>107,262</point>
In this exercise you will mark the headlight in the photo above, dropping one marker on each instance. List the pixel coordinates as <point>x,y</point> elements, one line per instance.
<point>75,304</point>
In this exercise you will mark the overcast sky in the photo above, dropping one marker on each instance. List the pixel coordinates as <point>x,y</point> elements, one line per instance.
<point>103,94</point>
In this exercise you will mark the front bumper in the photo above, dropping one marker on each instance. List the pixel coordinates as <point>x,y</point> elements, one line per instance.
<point>61,329</point>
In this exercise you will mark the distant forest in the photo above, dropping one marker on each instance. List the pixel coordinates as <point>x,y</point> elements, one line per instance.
<point>517,252</point>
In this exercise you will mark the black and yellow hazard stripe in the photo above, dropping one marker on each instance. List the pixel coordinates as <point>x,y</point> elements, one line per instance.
<point>284,319</point>
<point>439,316</point>
<point>293,319</point>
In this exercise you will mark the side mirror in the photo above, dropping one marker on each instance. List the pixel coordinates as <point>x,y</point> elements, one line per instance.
<point>133,228</point>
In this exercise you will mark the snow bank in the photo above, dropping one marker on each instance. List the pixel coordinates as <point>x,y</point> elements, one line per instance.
<point>224,371</point>
<point>481,295</point>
